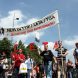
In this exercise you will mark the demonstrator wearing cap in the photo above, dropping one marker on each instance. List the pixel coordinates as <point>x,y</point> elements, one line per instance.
<point>47,59</point>
<point>61,58</point>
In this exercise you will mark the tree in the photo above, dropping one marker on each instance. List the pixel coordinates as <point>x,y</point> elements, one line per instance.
<point>6,46</point>
<point>21,46</point>
<point>34,53</point>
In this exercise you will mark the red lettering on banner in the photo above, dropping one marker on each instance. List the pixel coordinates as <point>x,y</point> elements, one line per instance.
<point>18,33</point>
<point>31,30</point>
<point>47,25</point>
<point>37,28</point>
<point>44,26</point>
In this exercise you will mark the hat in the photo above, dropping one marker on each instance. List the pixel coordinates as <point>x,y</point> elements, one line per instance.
<point>45,43</point>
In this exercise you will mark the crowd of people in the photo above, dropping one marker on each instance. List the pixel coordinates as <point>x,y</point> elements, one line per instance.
<point>21,66</point>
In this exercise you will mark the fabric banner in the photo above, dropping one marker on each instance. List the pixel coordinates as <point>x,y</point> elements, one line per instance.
<point>46,22</point>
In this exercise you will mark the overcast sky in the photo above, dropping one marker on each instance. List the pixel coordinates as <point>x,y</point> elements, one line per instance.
<point>29,11</point>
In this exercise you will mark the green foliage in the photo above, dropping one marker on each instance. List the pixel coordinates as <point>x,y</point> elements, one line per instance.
<point>34,53</point>
<point>6,46</point>
<point>21,46</point>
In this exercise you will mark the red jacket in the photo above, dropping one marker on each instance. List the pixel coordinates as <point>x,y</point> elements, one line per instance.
<point>18,59</point>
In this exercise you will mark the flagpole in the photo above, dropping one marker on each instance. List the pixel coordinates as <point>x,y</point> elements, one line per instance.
<point>13,19</point>
<point>62,71</point>
<point>59,34</point>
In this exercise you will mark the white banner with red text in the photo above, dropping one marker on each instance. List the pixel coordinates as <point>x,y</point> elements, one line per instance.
<point>46,22</point>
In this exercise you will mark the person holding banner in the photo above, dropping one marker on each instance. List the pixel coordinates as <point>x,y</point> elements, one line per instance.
<point>61,58</point>
<point>47,59</point>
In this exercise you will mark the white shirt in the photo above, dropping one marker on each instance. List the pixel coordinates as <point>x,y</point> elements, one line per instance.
<point>29,63</point>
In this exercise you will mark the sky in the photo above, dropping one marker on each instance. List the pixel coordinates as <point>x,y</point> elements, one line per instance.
<point>29,11</point>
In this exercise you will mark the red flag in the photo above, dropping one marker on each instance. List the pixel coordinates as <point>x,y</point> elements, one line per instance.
<point>56,45</point>
<point>31,46</point>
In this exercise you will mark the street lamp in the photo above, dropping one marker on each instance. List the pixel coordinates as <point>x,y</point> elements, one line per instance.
<point>14,18</point>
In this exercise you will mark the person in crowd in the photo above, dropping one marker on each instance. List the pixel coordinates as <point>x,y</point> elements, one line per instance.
<point>47,59</point>
<point>5,64</point>
<point>41,69</point>
<point>54,70</point>
<point>1,68</point>
<point>37,69</point>
<point>61,58</point>
<point>34,72</point>
<point>69,69</point>
<point>76,63</point>
<point>19,58</point>
<point>75,53</point>
<point>29,63</point>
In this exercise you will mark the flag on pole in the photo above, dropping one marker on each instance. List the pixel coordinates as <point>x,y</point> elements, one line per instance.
<point>56,45</point>
<point>37,37</point>
<point>31,46</point>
